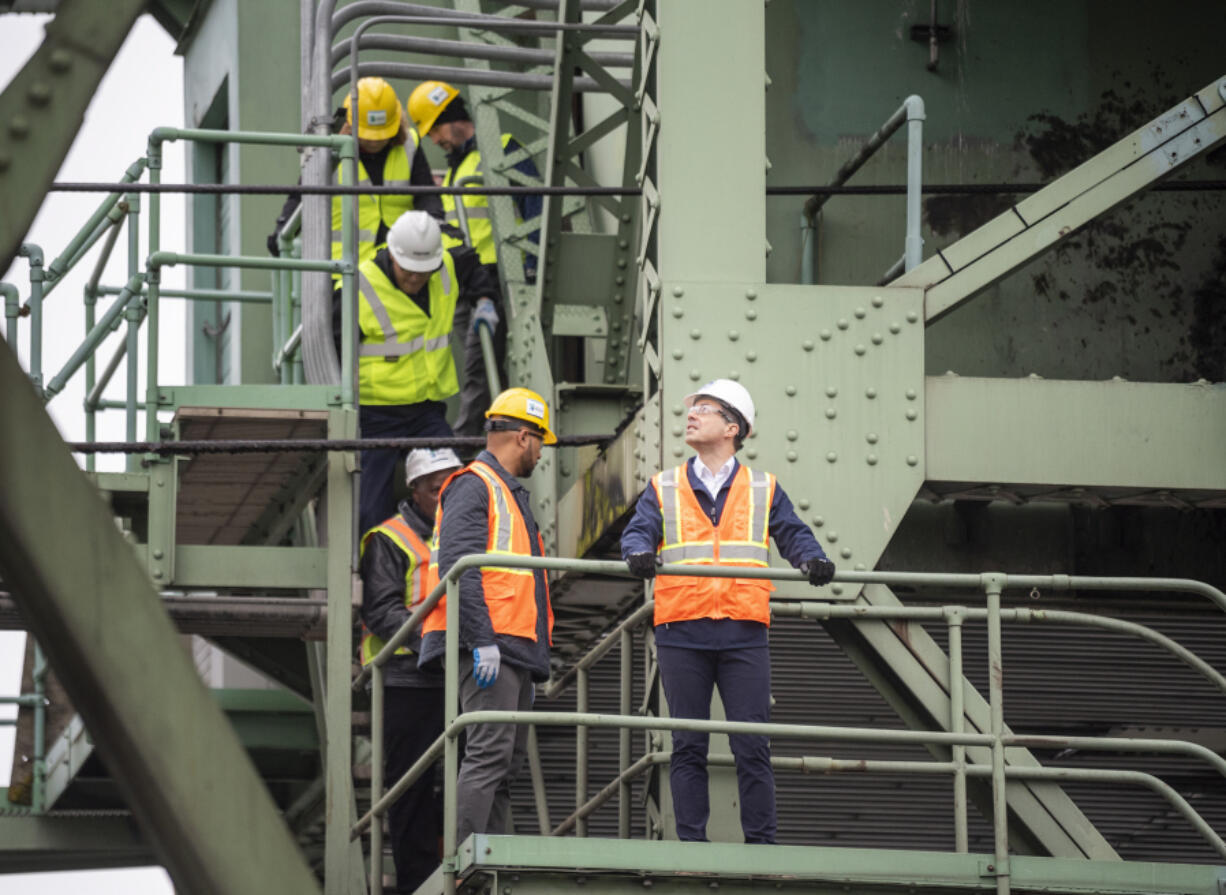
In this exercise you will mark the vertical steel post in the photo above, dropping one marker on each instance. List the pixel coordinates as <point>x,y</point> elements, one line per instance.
<point>913,247</point>
<point>37,279</point>
<point>376,778</point>
<point>343,872</point>
<point>957,724</point>
<point>348,306</point>
<point>295,311</point>
<point>154,279</point>
<point>993,583</point>
<point>38,802</point>
<point>539,796</point>
<point>12,310</point>
<point>623,735</point>
<point>581,743</point>
<point>451,756</point>
<point>132,313</point>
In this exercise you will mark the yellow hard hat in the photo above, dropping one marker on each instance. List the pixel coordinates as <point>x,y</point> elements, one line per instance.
<point>524,404</point>
<point>427,102</point>
<point>378,110</point>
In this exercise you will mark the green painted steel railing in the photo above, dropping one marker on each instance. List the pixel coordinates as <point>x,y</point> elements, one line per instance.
<point>37,703</point>
<point>957,738</point>
<point>137,302</point>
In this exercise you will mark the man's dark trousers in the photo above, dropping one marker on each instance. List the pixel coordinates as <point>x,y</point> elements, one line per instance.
<point>381,466</point>
<point>743,678</point>
<point>413,720</point>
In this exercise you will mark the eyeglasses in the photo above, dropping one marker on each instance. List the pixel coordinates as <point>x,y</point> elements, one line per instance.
<point>705,409</point>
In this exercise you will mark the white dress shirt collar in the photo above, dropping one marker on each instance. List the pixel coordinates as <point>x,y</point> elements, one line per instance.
<point>713,481</point>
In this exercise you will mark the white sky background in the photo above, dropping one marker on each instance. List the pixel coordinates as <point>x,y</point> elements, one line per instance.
<point>142,90</point>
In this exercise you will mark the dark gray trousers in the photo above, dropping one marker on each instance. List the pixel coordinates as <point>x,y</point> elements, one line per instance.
<point>494,753</point>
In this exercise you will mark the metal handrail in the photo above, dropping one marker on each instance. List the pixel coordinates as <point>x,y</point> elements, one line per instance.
<point>911,112</point>
<point>996,739</point>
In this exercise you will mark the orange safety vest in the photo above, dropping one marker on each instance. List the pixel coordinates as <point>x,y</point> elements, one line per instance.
<point>742,539</point>
<point>510,594</point>
<point>415,577</point>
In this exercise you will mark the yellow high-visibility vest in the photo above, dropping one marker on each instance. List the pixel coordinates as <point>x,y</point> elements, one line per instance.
<point>480,230</point>
<point>374,210</point>
<point>404,356</point>
<point>418,554</point>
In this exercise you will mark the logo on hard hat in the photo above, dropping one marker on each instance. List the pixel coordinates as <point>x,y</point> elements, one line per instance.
<point>438,96</point>
<point>376,117</point>
<point>535,408</point>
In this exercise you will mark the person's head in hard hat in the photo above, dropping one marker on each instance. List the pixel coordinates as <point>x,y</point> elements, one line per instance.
<point>379,117</point>
<point>415,244</point>
<point>720,418</point>
<point>516,427</point>
<point>440,113</point>
<point>425,470</point>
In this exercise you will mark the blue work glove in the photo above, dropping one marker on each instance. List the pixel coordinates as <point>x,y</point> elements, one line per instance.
<point>486,662</point>
<point>820,571</point>
<point>486,313</point>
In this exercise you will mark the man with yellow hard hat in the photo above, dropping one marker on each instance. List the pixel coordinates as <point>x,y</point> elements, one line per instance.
<point>440,113</point>
<point>389,154</point>
<point>506,620</point>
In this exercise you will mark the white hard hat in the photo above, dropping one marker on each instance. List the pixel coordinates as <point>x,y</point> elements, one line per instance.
<point>727,392</point>
<point>415,242</point>
<point>423,461</point>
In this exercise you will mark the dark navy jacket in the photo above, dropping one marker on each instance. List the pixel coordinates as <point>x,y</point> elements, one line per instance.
<point>464,531</point>
<point>795,541</point>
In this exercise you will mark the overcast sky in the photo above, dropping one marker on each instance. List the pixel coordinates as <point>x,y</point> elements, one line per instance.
<point>142,90</point>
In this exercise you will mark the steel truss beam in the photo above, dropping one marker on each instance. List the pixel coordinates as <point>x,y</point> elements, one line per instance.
<point>37,843</point>
<point>171,750</point>
<point>958,272</point>
<point>43,107</point>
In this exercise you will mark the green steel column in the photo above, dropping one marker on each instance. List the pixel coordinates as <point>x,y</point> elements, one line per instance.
<point>174,755</point>
<point>710,85</point>
<point>710,153</point>
<point>343,874</point>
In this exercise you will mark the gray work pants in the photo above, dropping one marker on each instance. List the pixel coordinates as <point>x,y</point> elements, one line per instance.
<point>494,753</point>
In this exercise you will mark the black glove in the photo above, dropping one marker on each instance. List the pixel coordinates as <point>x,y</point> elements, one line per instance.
<point>820,571</point>
<point>642,565</point>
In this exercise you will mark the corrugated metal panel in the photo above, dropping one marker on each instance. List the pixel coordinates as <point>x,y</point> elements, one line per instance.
<point>1058,680</point>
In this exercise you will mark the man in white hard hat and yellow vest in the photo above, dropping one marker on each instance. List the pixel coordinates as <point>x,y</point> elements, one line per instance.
<point>506,620</point>
<point>394,566</point>
<point>389,154</point>
<point>440,113</point>
<point>712,632</point>
<point>407,296</point>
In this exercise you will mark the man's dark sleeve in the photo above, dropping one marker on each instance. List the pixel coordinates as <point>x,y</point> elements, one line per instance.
<point>463,532</point>
<point>643,531</point>
<point>291,203</point>
<point>528,206</point>
<point>475,278</point>
<point>794,539</point>
<point>420,175</point>
<point>383,569</point>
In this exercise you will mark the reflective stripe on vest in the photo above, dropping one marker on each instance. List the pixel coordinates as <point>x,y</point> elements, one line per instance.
<point>689,537</point>
<point>404,356</point>
<point>480,230</point>
<point>510,594</point>
<point>415,577</point>
<point>374,210</point>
